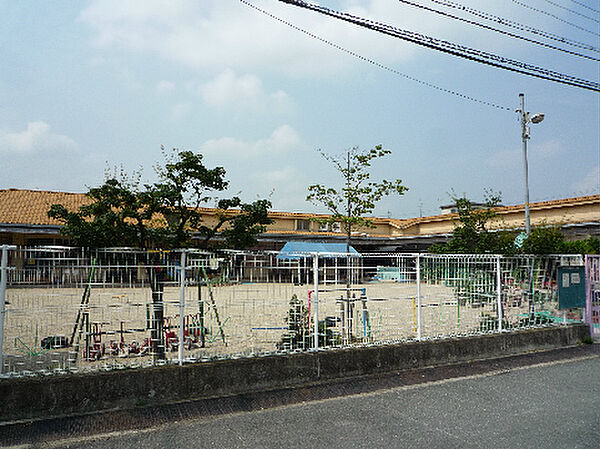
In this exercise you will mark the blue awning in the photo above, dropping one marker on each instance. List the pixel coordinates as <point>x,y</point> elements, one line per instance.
<point>298,249</point>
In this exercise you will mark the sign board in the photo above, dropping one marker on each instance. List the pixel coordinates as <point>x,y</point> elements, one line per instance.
<point>571,287</point>
<point>520,239</point>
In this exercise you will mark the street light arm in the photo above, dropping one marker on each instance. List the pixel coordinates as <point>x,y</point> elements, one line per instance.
<point>526,119</point>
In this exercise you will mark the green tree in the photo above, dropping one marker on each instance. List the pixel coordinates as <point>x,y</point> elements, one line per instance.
<point>356,198</point>
<point>470,235</point>
<point>591,245</point>
<point>165,214</point>
<point>300,329</point>
<point>543,240</point>
<point>118,214</point>
<point>550,240</point>
<point>162,215</point>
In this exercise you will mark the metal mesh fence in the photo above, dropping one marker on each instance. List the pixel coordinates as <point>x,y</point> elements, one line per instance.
<point>593,294</point>
<point>70,309</point>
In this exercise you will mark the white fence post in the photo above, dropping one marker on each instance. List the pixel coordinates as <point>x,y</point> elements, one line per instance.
<point>587,311</point>
<point>499,292</point>
<point>419,328</point>
<point>181,305</point>
<point>3,281</point>
<point>315,302</point>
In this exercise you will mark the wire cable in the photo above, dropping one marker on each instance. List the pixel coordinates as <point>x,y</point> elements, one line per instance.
<point>506,33</point>
<point>585,6</point>
<point>452,48</point>
<point>516,25</point>
<point>375,63</point>
<point>572,11</point>
<point>555,17</point>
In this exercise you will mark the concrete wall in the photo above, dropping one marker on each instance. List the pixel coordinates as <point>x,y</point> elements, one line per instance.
<point>36,397</point>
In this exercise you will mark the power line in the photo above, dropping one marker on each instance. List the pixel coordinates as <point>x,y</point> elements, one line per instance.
<point>506,33</point>
<point>375,63</point>
<point>572,11</point>
<point>585,6</point>
<point>452,48</point>
<point>516,25</point>
<point>555,17</point>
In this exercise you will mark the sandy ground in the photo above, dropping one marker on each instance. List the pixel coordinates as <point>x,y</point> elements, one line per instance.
<point>240,319</point>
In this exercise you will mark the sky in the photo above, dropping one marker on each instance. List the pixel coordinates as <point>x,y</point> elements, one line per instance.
<point>89,86</point>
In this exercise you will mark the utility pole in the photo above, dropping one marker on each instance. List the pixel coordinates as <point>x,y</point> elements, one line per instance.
<point>347,310</point>
<point>525,136</point>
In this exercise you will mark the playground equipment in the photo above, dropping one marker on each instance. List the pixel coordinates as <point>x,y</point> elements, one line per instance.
<point>347,310</point>
<point>94,348</point>
<point>83,315</point>
<point>214,307</point>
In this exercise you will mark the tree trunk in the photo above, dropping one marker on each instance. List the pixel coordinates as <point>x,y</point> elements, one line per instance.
<point>347,309</point>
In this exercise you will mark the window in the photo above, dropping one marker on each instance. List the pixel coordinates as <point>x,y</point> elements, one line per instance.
<point>302,225</point>
<point>330,227</point>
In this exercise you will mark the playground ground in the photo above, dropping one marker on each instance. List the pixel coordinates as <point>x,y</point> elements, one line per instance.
<point>239,319</point>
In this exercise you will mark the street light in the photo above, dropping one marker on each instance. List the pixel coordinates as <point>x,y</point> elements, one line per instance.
<point>525,120</point>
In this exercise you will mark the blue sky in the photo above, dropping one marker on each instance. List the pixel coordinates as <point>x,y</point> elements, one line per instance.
<point>86,85</point>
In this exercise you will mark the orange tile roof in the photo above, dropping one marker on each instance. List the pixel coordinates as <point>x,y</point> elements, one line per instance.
<point>31,206</point>
<point>22,206</point>
<point>564,202</point>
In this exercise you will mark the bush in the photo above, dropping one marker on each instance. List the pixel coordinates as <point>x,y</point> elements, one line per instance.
<point>299,326</point>
<point>300,333</point>
<point>489,322</point>
<point>535,321</point>
<point>591,245</point>
<point>543,240</point>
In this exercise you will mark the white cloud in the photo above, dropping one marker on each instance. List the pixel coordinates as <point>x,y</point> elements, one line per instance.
<point>211,34</point>
<point>165,86</point>
<point>179,111</point>
<point>128,78</point>
<point>503,159</point>
<point>227,88</point>
<point>589,184</point>
<point>214,33</point>
<point>36,138</point>
<point>286,186</point>
<point>242,92</point>
<point>547,150</point>
<point>281,141</point>
<point>511,158</point>
<point>280,175</point>
<point>97,61</point>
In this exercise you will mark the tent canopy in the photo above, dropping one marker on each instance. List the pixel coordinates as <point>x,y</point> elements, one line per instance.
<point>299,249</point>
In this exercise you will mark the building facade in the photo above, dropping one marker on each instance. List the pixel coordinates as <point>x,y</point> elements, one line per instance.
<point>24,221</point>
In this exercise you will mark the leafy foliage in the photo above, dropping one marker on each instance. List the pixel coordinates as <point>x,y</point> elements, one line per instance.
<point>543,240</point>
<point>470,235</point>
<point>349,204</point>
<point>591,245</point>
<point>489,322</point>
<point>118,214</point>
<point>300,332</point>
<point>549,240</point>
<point>298,335</point>
<point>166,213</point>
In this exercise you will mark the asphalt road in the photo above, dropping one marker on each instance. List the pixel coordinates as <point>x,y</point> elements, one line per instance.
<point>555,404</point>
